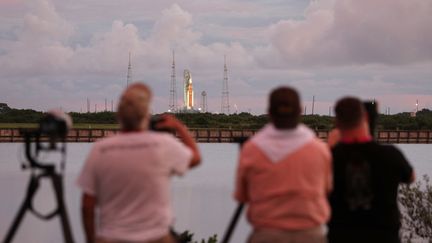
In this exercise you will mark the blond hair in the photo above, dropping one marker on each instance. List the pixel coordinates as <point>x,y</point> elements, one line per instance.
<point>133,107</point>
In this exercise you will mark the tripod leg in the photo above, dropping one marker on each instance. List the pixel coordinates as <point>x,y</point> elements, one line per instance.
<point>31,189</point>
<point>233,223</point>
<point>57,181</point>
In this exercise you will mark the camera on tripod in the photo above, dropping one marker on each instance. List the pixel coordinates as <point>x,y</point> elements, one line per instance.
<point>53,128</point>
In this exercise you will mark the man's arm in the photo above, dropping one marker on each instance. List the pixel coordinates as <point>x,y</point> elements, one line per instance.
<point>413,177</point>
<point>88,205</point>
<point>407,171</point>
<point>169,121</point>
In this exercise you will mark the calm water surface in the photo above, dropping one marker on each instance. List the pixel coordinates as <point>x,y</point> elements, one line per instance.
<point>202,198</point>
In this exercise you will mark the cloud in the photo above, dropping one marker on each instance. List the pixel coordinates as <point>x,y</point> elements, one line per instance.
<point>40,45</point>
<point>42,53</point>
<point>350,32</point>
<point>107,52</point>
<point>44,25</point>
<point>336,47</point>
<point>174,26</point>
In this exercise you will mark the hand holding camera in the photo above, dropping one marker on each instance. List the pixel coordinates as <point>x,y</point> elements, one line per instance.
<point>169,123</point>
<point>165,123</point>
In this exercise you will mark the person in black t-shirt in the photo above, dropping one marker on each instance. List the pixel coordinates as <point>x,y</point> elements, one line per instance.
<point>366,179</point>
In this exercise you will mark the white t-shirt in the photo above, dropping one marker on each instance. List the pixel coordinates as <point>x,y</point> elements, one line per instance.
<point>129,174</point>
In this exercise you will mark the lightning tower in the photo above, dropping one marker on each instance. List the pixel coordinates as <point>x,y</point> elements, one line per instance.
<point>129,73</point>
<point>225,107</point>
<point>204,101</point>
<point>173,89</point>
<point>88,105</point>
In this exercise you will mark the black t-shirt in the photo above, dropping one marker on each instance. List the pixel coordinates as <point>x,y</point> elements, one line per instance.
<point>366,179</point>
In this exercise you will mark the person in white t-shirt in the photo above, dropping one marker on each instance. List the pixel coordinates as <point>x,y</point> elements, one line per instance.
<point>127,177</point>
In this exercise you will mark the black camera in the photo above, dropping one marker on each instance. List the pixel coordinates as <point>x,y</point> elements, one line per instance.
<point>53,127</point>
<point>371,108</point>
<point>153,124</point>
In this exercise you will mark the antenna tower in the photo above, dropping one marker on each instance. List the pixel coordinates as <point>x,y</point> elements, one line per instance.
<point>204,101</point>
<point>129,73</point>
<point>173,89</point>
<point>88,105</point>
<point>313,104</point>
<point>225,107</point>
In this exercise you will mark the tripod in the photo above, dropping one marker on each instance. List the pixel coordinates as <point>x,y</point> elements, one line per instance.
<point>234,220</point>
<point>40,171</point>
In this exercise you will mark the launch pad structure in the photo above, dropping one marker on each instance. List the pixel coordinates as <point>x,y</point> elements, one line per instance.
<point>188,93</point>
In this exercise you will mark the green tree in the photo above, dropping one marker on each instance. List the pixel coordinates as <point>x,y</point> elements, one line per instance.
<point>416,200</point>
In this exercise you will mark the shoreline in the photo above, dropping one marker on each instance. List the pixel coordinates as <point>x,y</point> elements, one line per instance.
<point>217,135</point>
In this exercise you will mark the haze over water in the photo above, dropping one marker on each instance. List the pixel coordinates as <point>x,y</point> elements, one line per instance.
<point>202,198</point>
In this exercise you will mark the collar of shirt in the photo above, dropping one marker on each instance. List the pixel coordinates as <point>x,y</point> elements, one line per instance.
<point>357,140</point>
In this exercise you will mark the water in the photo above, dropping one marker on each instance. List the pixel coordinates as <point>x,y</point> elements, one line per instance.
<point>202,198</point>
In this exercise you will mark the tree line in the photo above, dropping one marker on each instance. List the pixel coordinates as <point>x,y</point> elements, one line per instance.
<point>400,121</point>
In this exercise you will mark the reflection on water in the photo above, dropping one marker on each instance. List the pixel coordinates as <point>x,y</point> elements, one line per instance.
<point>202,198</point>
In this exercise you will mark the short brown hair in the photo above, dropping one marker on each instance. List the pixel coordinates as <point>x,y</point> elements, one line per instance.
<point>284,107</point>
<point>349,112</point>
<point>134,106</point>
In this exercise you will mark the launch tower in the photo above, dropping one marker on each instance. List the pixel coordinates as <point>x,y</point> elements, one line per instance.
<point>225,107</point>
<point>173,89</point>
<point>204,101</point>
<point>129,73</point>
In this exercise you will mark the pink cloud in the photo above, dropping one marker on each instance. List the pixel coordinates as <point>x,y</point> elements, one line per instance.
<point>350,32</point>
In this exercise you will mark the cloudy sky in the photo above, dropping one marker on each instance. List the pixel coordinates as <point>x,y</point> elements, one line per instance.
<point>56,53</point>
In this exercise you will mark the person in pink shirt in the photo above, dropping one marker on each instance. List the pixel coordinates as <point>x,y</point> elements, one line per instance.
<point>126,177</point>
<point>284,176</point>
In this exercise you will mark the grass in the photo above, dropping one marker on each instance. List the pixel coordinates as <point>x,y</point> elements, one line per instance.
<point>78,126</point>
<point>18,125</point>
<point>96,126</point>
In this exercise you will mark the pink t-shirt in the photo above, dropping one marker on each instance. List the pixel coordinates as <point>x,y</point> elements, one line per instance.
<point>290,193</point>
<point>129,174</point>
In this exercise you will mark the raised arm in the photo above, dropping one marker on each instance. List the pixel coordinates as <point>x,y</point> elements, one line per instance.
<point>170,122</point>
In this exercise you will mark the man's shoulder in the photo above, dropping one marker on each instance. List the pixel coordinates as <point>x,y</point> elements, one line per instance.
<point>318,144</point>
<point>249,145</point>
<point>373,149</point>
<point>390,151</point>
<point>107,140</point>
<point>137,137</point>
<point>382,148</point>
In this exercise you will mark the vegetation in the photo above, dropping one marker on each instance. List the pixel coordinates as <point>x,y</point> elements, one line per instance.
<point>234,121</point>
<point>417,210</point>
<point>402,121</point>
<point>187,237</point>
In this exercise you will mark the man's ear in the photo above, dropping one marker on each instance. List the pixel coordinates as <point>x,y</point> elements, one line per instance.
<point>366,117</point>
<point>269,114</point>
<point>336,123</point>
